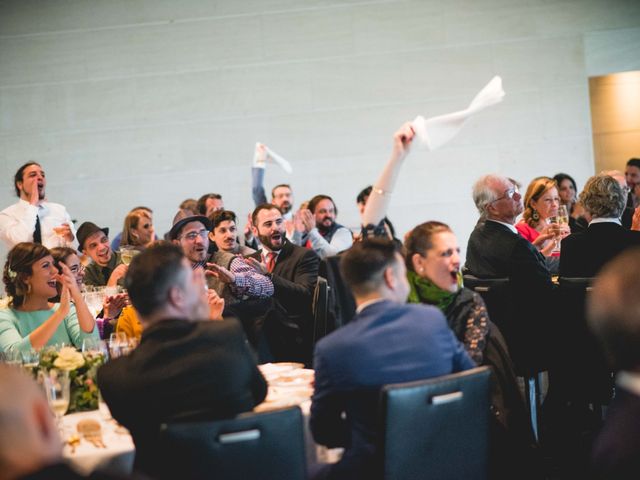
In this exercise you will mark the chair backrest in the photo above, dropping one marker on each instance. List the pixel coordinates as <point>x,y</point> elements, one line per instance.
<point>579,360</point>
<point>437,428</point>
<point>262,446</point>
<point>320,309</point>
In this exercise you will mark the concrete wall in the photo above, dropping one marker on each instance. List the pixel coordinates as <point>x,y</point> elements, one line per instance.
<point>152,101</point>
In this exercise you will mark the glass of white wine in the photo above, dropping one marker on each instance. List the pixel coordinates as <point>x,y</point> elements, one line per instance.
<point>57,386</point>
<point>127,253</point>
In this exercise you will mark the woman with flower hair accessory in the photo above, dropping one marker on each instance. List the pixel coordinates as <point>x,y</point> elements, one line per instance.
<point>31,321</point>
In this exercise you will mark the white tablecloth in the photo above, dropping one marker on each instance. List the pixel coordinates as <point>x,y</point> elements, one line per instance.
<point>294,387</point>
<point>116,458</point>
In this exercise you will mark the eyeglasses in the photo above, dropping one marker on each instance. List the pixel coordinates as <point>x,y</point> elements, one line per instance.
<point>191,236</point>
<point>508,194</point>
<point>76,269</point>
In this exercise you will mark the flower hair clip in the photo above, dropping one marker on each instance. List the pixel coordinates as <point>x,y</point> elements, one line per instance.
<point>12,274</point>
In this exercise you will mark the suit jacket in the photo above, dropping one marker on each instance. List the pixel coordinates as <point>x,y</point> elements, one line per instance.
<point>289,326</point>
<point>385,343</point>
<point>585,253</point>
<point>616,452</point>
<point>181,370</point>
<point>494,251</point>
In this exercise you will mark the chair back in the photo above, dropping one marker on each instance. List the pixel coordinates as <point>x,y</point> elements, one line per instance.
<point>579,362</point>
<point>437,428</point>
<point>320,307</point>
<point>262,446</point>
<point>525,336</point>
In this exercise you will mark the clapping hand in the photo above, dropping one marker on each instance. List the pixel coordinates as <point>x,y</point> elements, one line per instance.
<point>221,273</point>
<point>216,305</point>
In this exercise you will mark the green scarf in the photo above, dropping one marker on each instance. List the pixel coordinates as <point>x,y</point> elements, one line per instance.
<point>423,291</point>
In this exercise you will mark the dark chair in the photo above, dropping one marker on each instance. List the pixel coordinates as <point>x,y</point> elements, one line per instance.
<point>263,446</point>
<point>320,307</point>
<point>437,428</point>
<point>504,311</point>
<point>342,305</point>
<point>580,368</point>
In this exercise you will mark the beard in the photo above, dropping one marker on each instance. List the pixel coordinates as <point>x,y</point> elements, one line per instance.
<point>273,244</point>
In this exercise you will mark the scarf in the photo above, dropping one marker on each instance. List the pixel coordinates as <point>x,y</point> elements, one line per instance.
<point>424,291</point>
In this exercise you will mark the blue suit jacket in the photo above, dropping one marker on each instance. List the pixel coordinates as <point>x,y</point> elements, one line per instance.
<point>385,343</point>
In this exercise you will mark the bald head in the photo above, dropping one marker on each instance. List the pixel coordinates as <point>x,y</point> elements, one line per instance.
<point>614,310</point>
<point>28,436</point>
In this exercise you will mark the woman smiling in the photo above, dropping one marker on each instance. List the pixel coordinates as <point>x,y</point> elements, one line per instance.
<point>31,321</point>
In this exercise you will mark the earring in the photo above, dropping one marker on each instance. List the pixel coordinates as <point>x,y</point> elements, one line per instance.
<point>535,216</point>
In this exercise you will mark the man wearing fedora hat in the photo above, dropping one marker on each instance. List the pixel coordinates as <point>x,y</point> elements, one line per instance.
<point>107,267</point>
<point>229,275</point>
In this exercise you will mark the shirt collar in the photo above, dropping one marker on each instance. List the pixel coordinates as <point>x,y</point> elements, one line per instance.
<point>605,220</point>
<point>368,303</point>
<point>264,252</point>
<point>508,225</point>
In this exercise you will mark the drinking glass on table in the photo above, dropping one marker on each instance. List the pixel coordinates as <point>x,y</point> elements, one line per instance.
<point>119,344</point>
<point>562,220</point>
<point>30,360</point>
<point>57,386</point>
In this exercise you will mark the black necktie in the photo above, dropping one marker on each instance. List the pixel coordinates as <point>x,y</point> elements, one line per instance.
<point>37,235</point>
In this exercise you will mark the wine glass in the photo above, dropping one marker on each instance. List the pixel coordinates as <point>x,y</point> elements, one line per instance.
<point>57,386</point>
<point>30,360</point>
<point>118,344</point>
<point>127,253</point>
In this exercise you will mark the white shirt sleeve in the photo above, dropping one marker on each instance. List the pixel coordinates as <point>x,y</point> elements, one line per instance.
<point>341,240</point>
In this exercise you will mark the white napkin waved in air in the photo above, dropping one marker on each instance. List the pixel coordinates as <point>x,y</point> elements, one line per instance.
<point>434,132</point>
<point>262,154</point>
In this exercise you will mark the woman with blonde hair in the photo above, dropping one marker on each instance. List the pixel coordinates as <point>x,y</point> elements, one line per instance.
<point>541,202</point>
<point>138,228</point>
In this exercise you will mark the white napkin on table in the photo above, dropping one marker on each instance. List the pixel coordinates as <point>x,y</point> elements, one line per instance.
<point>434,132</point>
<point>263,154</point>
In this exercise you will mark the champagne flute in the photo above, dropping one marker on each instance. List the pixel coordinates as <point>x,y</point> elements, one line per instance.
<point>57,388</point>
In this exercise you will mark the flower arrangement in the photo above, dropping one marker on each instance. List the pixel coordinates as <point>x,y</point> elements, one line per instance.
<point>82,368</point>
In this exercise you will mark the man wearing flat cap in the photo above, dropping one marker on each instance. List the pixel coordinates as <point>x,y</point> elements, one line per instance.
<point>229,275</point>
<point>107,267</point>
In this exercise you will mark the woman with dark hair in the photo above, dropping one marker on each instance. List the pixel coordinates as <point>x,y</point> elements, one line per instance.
<point>112,305</point>
<point>31,321</point>
<point>568,191</point>
<point>432,257</point>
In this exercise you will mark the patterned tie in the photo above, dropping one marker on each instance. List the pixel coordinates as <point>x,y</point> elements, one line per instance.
<point>37,234</point>
<point>270,261</point>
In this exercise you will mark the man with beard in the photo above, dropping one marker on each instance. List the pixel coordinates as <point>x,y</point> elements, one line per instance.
<point>316,228</point>
<point>33,219</point>
<point>230,276</point>
<point>293,271</point>
<point>224,233</point>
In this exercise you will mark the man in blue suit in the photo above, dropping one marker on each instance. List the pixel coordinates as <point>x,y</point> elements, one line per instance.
<point>388,341</point>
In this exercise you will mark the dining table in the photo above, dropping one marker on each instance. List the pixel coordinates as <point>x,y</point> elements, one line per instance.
<point>290,384</point>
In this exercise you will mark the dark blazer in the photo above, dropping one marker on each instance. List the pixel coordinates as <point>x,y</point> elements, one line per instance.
<point>288,327</point>
<point>181,370</point>
<point>494,251</point>
<point>585,253</point>
<point>385,343</point>
<point>616,452</point>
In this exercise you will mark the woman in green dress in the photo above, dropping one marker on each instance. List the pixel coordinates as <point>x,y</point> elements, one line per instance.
<point>30,321</point>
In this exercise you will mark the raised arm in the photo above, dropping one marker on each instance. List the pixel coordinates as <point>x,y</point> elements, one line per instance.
<point>257,175</point>
<point>378,202</point>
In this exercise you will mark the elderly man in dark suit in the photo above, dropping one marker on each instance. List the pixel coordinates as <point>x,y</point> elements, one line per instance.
<point>496,250</point>
<point>388,341</point>
<point>294,273</point>
<point>186,366</point>
<point>614,317</point>
<point>584,253</point>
